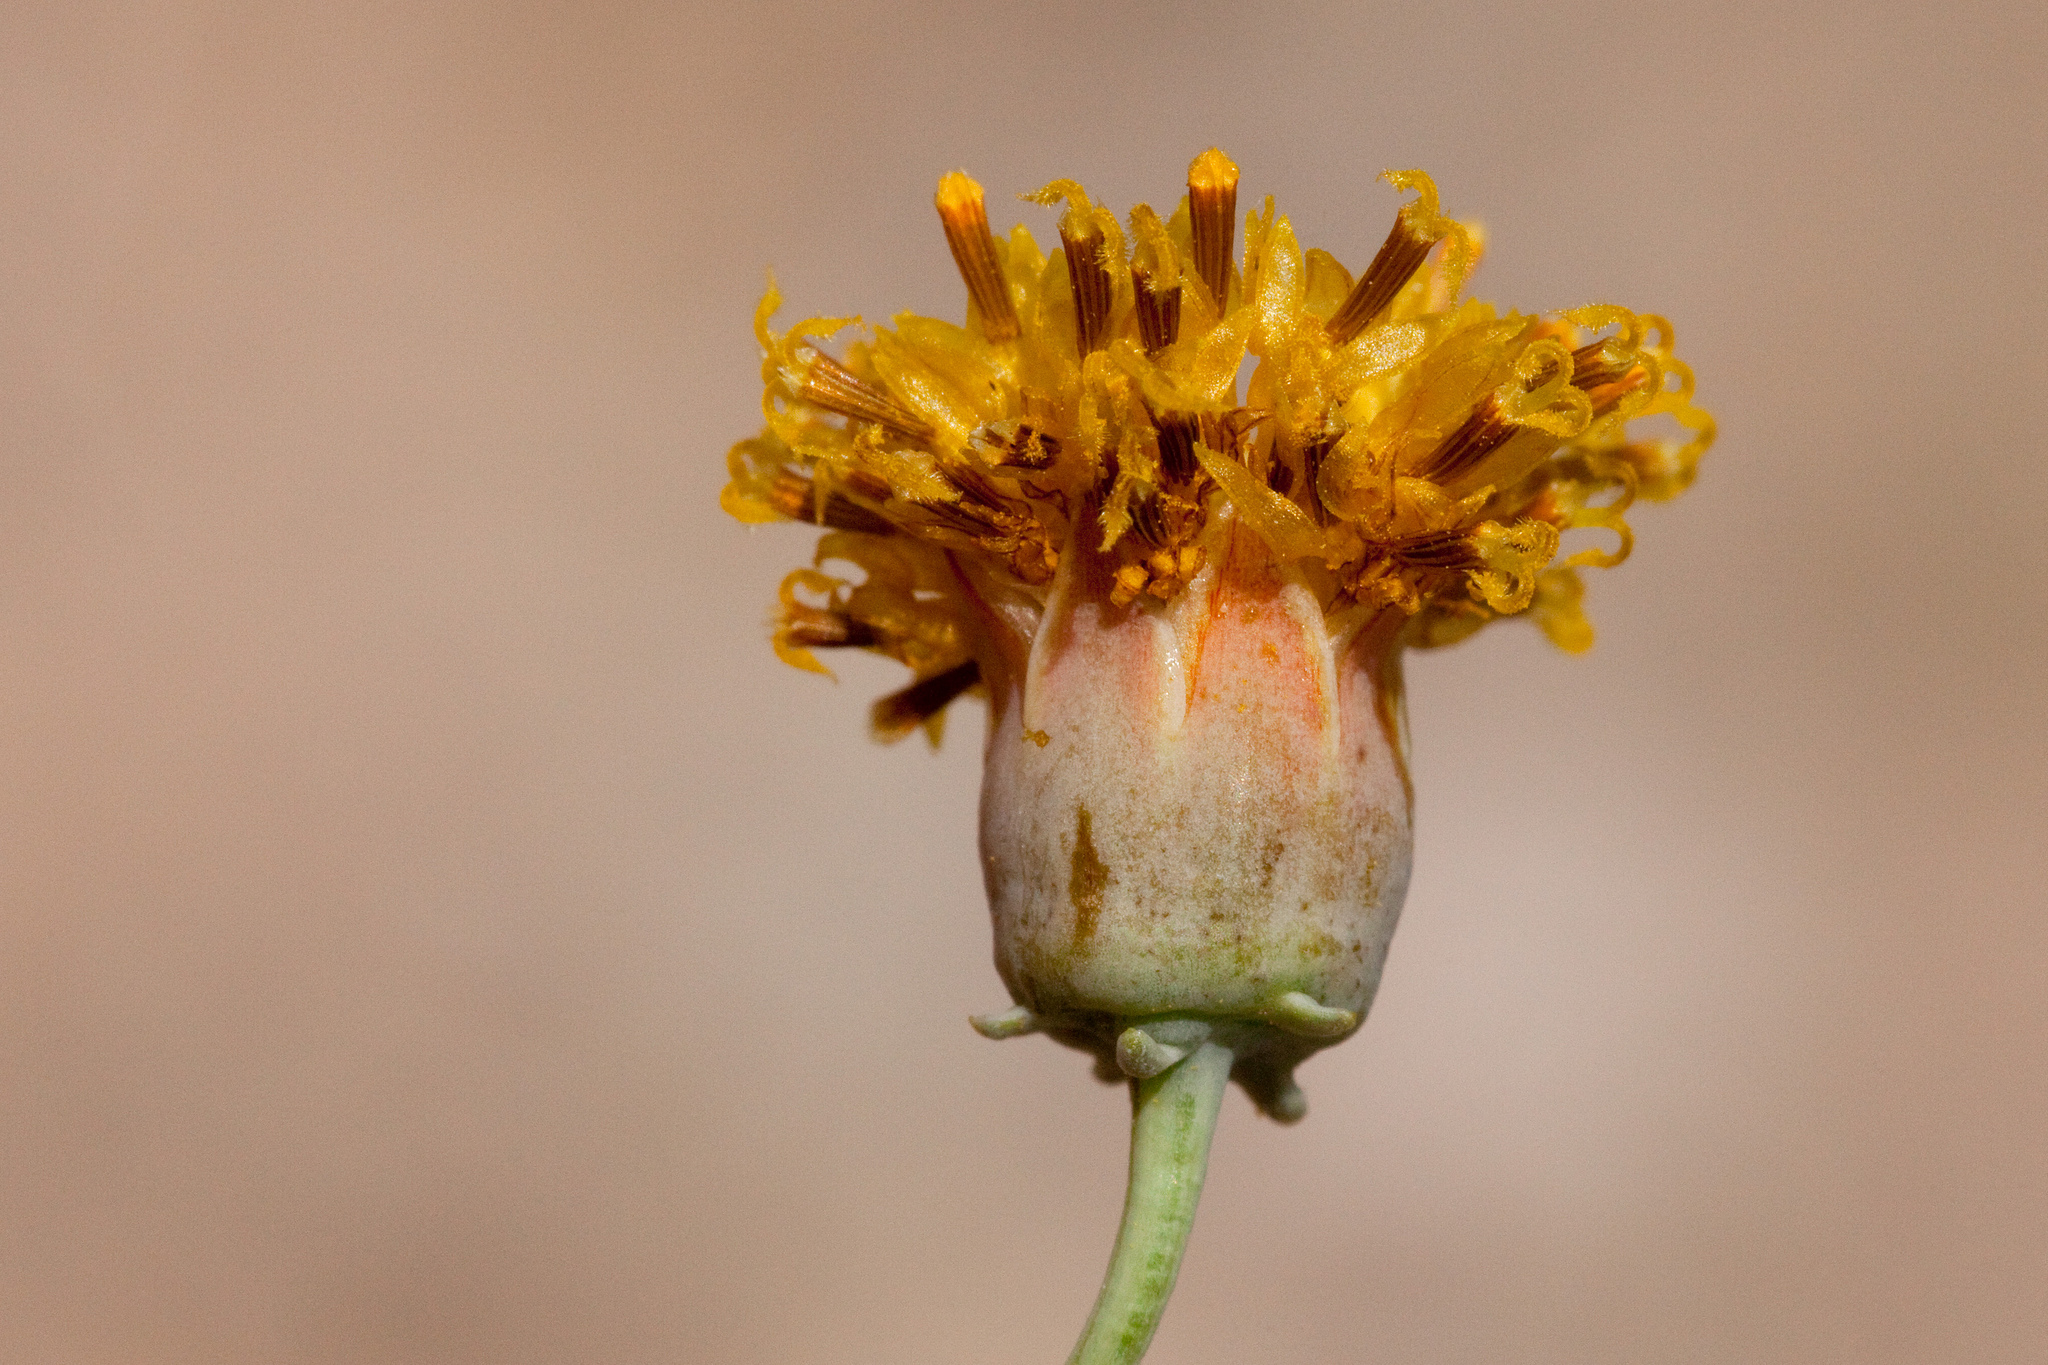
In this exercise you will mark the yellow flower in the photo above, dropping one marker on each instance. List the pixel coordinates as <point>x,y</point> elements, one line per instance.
<point>1402,448</point>
<point>1187,605</point>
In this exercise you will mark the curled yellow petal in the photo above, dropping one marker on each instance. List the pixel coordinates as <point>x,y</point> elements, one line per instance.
<point>1426,219</point>
<point>1540,393</point>
<point>1512,556</point>
<point>1558,610</point>
<point>1602,518</point>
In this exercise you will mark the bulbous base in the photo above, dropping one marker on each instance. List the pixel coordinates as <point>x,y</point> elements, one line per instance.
<point>1197,814</point>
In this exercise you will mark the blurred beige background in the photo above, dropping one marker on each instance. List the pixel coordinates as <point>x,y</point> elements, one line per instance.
<point>434,929</point>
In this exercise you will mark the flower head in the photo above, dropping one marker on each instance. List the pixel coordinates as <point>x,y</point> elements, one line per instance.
<point>1403,447</point>
<point>1187,604</point>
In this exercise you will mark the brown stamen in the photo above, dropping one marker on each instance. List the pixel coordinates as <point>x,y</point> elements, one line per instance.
<point>1166,522</point>
<point>965,218</point>
<point>987,519</point>
<point>873,487</point>
<point>1178,432</point>
<point>1083,242</point>
<point>830,385</point>
<point>1594,370</point>
<point>901,712</point>
<point>1592,367</point>
<point>810,628</point>
<point>1017,445</point>
<point>1482,433</point>
<point>1147,521</point>
<point>1212,214</point>
<point>1400,256</point>
<point>1312,456</point>
<point>1434,550</point>
<point>977,490</point>
<point>1158,311</point>
<point>1605,397</point>
<point>795,495</point>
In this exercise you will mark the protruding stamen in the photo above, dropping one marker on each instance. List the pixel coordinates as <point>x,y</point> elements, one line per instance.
<point>1482,433</point>
<point>1155,280</point>
<point>830,385</point>
<point>1312,457</point>
<point>815,628</point>
<point>1083,241</point>
<point>1400,256</point>
<point>993,523</point>
<point>1500,564</point>
<point>1594,367</point>
<point>1147,521</point>
<point>1212,215</point>
<point>1178,432</point>
<point>897,714</point>
<point>984,516</point>
<point>1017,445</point>
<point>796,496</point>
<point>871,486</point>
<point>965,218</point>
<point>1434,550</point>
<point>1158,312</point>
<point>969,516</point>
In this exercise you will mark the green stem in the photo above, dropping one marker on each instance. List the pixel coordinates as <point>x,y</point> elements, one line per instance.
<point>1173,1116</point>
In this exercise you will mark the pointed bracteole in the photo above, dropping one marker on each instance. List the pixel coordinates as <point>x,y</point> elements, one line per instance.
<point>1298,1013</point>
<point>1139,1055</point>
<point>1268,1081</point>
<point>1010,1023</point>
<point>1288,1104</point>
